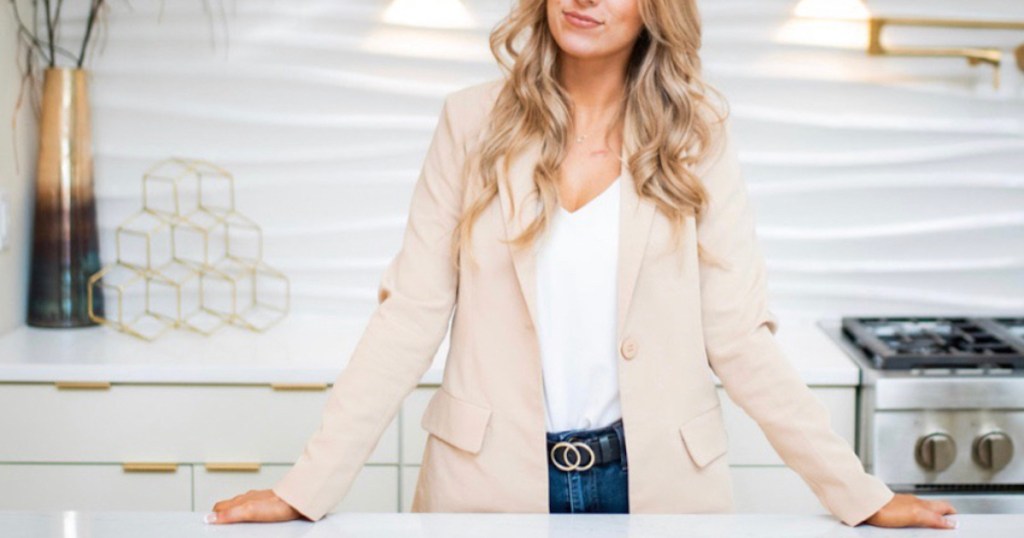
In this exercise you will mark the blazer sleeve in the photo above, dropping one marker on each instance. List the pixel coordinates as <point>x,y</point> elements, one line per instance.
<point>415,302</point>
<point>739,329</point>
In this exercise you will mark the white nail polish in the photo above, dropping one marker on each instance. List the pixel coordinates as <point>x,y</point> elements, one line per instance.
<point>210,518</point>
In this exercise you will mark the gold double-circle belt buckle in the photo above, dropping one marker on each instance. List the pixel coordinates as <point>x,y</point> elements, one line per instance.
<point>571,448</point>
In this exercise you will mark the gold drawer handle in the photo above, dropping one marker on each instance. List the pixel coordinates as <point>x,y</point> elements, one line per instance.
<point>299,386</point>
<point>87,385</point>
<point>149,467</point>
<point>233,467</point>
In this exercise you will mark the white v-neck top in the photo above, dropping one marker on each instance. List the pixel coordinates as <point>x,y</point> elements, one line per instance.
<point>577,261</point>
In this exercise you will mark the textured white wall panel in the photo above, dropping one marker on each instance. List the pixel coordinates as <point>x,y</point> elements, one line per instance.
<point>881,185</point>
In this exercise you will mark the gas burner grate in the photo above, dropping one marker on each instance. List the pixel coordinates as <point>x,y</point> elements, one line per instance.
<point>968,488</point>
<point>903,343</point>
<point>1014,327</point>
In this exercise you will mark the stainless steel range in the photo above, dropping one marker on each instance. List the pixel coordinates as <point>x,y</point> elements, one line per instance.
<point>941,406</point>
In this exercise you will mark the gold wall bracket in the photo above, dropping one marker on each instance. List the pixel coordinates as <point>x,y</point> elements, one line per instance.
<point>974,55</point>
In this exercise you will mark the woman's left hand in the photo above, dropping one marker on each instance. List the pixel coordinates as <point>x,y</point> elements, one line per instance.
<point>905,510</point>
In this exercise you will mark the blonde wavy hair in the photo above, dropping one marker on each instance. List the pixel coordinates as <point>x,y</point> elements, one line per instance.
<point>665,131</point>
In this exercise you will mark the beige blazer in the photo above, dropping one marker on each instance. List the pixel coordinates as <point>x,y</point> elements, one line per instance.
<point>679,321</point>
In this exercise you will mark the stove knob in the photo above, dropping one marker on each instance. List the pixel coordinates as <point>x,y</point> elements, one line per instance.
<point>993,450</point>
<point>935,452</point>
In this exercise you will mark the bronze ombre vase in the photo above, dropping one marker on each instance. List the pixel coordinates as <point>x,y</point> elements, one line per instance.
<point>65,244</point>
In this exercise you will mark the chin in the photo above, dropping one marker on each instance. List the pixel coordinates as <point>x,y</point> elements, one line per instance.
<point>584,50</point>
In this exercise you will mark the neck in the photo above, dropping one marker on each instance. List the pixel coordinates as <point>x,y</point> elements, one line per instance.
<point>594,84</point>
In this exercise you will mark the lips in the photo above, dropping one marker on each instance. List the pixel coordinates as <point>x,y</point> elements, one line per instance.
<point>581,17</point>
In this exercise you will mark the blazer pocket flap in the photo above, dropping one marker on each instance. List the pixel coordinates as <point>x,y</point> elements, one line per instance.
<point>456,421</point>
<point>705,437</point>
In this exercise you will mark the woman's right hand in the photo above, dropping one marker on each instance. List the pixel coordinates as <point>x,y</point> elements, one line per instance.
<point>257,505</point>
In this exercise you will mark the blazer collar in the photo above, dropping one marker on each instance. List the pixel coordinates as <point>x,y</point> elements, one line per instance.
<point>635,217</point>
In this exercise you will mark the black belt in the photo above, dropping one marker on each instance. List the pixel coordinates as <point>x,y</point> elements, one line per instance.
<point>575,454</point>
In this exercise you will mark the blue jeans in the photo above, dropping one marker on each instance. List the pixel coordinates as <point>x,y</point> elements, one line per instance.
<point>600,489</point>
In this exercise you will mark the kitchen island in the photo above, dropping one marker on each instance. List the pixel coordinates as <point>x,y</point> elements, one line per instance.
<point>108,524</point>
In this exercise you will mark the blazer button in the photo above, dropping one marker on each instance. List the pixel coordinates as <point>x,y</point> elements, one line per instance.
<point>628,348</point>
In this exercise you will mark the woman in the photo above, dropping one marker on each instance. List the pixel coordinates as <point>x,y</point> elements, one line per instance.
<point>585,217</point>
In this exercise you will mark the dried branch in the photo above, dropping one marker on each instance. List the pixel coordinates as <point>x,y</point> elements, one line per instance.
<point>49,30</point>
<point>28,35</point>
<point>93,9</point>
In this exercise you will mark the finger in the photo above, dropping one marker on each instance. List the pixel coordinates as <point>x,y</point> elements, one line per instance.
<point>942,507</point>
<point>935,520</point>
<point>228,503</point>
<point>236,514</point>
<point>259,511</point>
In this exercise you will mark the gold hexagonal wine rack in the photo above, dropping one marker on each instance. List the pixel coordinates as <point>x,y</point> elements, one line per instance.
<point>188,259</point>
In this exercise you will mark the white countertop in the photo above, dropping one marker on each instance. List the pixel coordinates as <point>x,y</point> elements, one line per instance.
<point>76,524</point>
<point>299,349</point>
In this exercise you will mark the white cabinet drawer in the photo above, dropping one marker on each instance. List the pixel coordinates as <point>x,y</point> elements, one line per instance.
<point>25,486</point>
<point>773,490</point>
<point>174,423</point>
<point>374,490</point>
<point>410,474</point>
<point>747,444</point>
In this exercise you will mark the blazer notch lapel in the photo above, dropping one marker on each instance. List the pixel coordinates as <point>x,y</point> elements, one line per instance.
<point>635,218</point>
<point>520,188</point>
